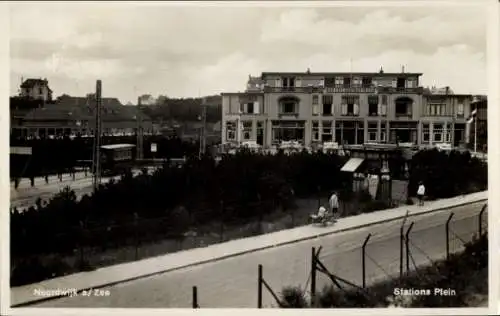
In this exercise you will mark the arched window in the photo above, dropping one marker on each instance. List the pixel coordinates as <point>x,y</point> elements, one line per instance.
<point>288,105</point>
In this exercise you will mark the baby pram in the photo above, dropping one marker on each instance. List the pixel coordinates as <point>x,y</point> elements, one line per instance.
<point>322,217</point>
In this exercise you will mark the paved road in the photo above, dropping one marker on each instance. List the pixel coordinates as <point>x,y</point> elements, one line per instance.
<point>26,197</point>
<point>233,282</point>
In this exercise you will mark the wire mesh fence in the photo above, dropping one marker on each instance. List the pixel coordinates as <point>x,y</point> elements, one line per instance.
<point>385,253</point>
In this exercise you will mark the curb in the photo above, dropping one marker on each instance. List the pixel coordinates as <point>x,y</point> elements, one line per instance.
<point>44,299</point>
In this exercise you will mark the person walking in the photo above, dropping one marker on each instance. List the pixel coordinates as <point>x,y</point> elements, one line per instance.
<point>334,205</point>
<point>421,193</point>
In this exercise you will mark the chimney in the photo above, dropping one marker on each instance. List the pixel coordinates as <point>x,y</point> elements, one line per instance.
<point>381,70</point>
<point>447,89</point>
<point>403,69</point>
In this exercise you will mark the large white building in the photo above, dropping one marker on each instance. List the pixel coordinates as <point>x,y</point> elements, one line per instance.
<point>347,108</point>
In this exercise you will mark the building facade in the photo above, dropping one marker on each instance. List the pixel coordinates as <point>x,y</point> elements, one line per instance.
<point>37,89</point>
<point>346,108</point>
<point>75,116</point>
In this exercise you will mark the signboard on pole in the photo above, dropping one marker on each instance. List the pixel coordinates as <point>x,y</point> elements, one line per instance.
<point>153,147</point>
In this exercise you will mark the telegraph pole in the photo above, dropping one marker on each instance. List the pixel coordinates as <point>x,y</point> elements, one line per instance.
<point>204,140</point>
<point>96,159</point>
<point>140,134</point>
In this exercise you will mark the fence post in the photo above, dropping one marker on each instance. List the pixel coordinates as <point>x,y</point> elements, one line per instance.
<point>481,219</point>
<point>195,297</point>
<point>407,241</point>
<point>401,245</point>
<point>259,288</point>
<point>448,236</point>
<point>364,259</point>
<point>313,276</point>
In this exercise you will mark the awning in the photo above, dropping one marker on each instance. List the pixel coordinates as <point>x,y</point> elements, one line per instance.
<point>352,165</point>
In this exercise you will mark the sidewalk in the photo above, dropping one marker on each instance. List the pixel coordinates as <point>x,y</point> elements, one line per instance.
<point>135,270</point>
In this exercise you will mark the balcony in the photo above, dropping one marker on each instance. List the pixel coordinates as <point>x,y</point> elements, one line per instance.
<point>288,115</point>
<point>350,114</point>
<point>390,90</point>
<point>309,89</point>
<point>342,89</point>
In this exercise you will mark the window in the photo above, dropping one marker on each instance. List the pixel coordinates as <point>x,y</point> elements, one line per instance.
<point>460,110</point>
<point>231,130</point>
<point>247,130</point>
<point>327,98</point>
<point>330,82</point>
<point>436,109</point>
<point>288,107</point>
<point>315,99</point>
<point>425,133</point>
<point>347,82</point>
<point>327,109</point>
<point>366,82</point>
<point>438,133</point>
<point>315,109</point>
<point>315,131</point>
<point>250,107</point>
<point>383,132</point>
<point>350,105</point>
<point>372,131</point>
<point>373,105</point>
<point>288,82</point>
<point>384,100</point>
<point>401,83</point>
<point>403,107</point>
<point>327,134</point>
<point>40,90</point>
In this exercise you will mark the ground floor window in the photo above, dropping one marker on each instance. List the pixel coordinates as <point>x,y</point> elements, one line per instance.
<point>447,134</point>
<point>287,131</point>
<point>260,133</point>
<point>383,132</point>
<point>327,131</point>
<point>349,132</point>
<point>437,133</point>
<point>315,131</point>
<point>425,133</point>
<point>231,130</point>
<point>459,134</point>
<point>403,132</point>
<point>360,133</point>
<point>247,130</point>
<point>372,131</point>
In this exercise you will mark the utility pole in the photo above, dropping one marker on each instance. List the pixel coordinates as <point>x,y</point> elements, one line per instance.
<point>204,140</point>
<point>140,134</point>
<point>96,159</point>
<point>139,129</point>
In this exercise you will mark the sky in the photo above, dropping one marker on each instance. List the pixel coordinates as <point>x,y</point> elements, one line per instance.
<point>192,50</point>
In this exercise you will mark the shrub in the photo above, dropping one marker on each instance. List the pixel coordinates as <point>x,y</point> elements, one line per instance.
<point>409,201</point>
<point>376,205</point>
<point>35,269</point>
<point>293,297</point>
